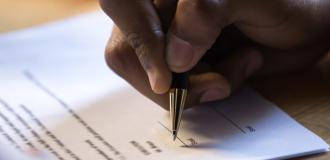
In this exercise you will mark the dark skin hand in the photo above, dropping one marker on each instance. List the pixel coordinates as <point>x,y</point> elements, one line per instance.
<point>243,38</point>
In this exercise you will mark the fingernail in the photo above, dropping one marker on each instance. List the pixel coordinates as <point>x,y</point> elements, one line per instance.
<point>152,80</point>
<point>212,95</point>
<point>158,82</point>
<point>179,52</point>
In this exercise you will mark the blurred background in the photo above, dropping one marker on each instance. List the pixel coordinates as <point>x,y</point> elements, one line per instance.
<point>17,14</point>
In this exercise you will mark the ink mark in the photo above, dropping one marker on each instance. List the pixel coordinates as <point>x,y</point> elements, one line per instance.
<point>229,120</point>
<point>171,132</point>
<point>250,129</point>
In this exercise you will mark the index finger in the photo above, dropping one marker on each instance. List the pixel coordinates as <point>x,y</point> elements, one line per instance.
<point>139,22</point>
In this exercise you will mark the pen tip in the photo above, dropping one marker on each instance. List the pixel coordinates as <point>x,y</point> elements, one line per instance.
<point>174,133</point>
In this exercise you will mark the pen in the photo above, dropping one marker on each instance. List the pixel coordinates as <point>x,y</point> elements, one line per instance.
<point>177,98</point>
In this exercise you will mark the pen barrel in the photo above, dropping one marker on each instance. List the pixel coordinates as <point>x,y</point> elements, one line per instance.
<point>179,81</point>
<point>177,103</point>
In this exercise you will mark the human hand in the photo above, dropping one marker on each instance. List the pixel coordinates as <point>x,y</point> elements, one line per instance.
<point>243,39</point>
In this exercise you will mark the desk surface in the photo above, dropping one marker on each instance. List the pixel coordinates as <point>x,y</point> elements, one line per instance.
<point>305,95</point>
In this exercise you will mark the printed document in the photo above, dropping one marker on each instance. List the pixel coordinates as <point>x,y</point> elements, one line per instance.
<point>58,96</point>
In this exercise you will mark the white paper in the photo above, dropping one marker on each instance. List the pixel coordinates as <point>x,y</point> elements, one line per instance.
<point>58,96</point>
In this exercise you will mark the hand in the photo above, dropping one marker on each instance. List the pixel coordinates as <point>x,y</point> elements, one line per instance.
<point>243,39</point>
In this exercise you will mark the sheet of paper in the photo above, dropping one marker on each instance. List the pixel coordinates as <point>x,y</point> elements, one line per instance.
<point>57,95</point>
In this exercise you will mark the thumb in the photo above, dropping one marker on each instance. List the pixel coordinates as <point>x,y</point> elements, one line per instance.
<point>194,29</point>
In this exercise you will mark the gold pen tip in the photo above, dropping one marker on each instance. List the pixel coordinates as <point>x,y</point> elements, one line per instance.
<point>174,133</point>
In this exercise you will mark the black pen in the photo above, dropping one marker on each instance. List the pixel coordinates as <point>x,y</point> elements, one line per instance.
<point>177,96</point>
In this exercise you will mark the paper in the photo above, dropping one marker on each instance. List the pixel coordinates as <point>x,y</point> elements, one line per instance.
<point>57,95</point>
<point>8,152</point>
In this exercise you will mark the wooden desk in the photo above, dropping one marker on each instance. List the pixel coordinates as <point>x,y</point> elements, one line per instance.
<point>16,14</point>
<point>305,95</point>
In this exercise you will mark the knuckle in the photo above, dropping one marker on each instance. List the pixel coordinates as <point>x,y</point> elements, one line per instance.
<point>135,40</point>
<point>116,57</point>
<point>144,58</point>
<point>144,46</point>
